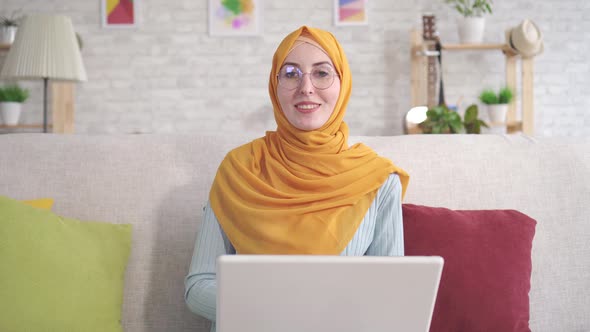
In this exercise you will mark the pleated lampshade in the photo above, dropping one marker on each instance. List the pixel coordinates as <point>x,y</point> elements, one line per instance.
<point>45,46</point>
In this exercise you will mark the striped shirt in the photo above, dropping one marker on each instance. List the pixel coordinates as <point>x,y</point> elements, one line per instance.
<point>379,234</point>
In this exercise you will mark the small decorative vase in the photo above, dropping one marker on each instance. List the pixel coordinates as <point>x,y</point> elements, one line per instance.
<point>7,35</point>
<point>497,113</point>
<point>10,112</point>
<point>471,29</point>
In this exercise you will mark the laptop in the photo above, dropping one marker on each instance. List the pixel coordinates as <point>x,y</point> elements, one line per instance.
<point>283,293</point>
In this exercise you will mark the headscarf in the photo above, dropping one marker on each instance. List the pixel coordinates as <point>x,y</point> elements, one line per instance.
<point>294,191</point>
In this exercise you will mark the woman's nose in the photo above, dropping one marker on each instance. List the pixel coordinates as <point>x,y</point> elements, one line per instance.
<point>305,86</point>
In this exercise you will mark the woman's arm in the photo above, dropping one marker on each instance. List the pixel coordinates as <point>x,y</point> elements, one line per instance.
<point>389,232</point>
<point>200,285</point>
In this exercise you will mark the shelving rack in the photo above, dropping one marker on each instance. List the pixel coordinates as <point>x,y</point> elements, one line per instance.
<point>419,53</point>
<point>62,106</point>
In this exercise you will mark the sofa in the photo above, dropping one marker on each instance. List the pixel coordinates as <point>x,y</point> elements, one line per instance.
<point>159,183</point>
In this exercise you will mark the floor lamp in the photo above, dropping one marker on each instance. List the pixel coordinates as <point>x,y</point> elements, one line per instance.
<point>45,47</point>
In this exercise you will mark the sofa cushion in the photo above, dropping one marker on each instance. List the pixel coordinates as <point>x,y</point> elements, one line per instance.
<point>59,274</point>
<point>40,203</point>
<point>486,276</point>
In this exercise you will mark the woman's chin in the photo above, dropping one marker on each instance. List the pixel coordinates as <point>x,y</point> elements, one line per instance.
<point>307,126</point>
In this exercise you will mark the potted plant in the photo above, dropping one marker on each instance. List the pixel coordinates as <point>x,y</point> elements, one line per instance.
<point>497,103</point>
<point>11,99</point>
<point>441,120</point>
<point>471,25</point>
<point>471,121</point>
<point>8,27</point>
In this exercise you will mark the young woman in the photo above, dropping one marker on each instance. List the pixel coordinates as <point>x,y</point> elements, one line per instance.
<point>300,189</point>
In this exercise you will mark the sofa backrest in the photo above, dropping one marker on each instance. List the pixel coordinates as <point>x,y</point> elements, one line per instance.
<point>159,183</point>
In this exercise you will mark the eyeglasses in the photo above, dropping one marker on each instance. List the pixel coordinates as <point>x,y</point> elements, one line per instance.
<point>322,76</point>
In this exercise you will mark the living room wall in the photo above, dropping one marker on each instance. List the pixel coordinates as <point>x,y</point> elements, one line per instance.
<point>168,75</point>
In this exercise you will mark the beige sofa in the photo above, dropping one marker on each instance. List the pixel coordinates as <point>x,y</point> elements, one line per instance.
<point>159,183</point>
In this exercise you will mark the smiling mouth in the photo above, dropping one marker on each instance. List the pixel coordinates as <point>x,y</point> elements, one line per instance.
<point>307,108</point>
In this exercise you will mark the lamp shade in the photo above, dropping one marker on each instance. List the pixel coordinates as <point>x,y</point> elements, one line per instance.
<point>45,46</point>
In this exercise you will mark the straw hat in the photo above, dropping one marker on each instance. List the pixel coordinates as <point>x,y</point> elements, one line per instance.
<point>525,39</point>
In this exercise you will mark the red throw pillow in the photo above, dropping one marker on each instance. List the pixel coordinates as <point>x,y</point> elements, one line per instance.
<point>485,281</point>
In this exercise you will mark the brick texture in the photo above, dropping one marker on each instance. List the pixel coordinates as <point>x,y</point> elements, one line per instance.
<point>170,75</point>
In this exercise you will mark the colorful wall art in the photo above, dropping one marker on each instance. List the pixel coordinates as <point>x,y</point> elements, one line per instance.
<point>350,12</point>
<point>119,13</point>
<point>234,17</point>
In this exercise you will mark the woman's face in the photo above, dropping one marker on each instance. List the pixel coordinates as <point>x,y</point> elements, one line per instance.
<point>306,106</point>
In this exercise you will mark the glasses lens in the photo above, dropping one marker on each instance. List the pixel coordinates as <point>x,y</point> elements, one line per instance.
<point>289,77</point>
<point>322,77</point>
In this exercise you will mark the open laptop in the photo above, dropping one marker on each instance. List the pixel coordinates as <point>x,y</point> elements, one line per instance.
<point>282,293</point>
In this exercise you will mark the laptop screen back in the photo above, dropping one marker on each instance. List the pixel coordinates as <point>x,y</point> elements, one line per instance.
<point>270,293</point>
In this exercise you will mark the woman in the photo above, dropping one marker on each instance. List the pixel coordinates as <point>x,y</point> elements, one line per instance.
<point>300,189</point>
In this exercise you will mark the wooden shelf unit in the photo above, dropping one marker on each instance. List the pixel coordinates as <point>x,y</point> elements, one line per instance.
<point>418,56</point>
<point>62,107</point>
<point>24,126</point>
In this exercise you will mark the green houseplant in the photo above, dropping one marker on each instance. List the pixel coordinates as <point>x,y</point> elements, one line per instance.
<point>13,93</point>
<point>497,103</point>
<point>8,27</point>
<point>470,8</point>
<point>441,120</point>
<point>490,97</point>
<point>471,25</point>
<point>471,120</point>
<point>11,99</point>
<point>9,21</point>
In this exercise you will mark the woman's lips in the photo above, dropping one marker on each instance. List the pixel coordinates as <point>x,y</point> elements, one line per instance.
<point>307,107</point>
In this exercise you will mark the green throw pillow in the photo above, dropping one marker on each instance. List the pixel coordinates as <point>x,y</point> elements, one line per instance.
<point>60,274</point>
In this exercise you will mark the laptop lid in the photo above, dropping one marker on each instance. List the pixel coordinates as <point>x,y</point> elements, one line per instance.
<point>271,293</point>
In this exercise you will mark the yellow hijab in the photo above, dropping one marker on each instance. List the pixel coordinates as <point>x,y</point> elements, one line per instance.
<point>294,191</point>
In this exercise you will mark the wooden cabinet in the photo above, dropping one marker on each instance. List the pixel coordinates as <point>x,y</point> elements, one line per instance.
<point>61,108</point>
<point>419,56</point>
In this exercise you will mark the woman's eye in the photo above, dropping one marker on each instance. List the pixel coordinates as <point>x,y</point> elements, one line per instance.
<point>322,73</point>
<point>291,74</point>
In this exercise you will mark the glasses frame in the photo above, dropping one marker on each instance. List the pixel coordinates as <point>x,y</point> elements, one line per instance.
<point>303,75</point>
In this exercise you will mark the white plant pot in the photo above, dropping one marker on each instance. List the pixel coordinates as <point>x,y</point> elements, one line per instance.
<point>7,35</point>
<point>471,29</point>
<point>497,113</point>
<point>10,112</point>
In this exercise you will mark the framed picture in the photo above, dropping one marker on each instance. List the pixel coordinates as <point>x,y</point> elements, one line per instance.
<point>118,13</point>
<point>234,17</point>
<point>350,12</point>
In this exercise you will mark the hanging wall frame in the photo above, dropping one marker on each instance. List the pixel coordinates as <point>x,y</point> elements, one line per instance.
<point>234,17</point>
<point>118,13</point>
<point>350,12</point>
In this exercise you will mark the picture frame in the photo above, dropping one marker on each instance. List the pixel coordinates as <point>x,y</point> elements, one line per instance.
<point>119,13</point>
<point>234,18</point>
<point>351,12</point>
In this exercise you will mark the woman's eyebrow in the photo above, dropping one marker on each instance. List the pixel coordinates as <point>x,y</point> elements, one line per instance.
<point>291,64</point>
<point>315,64</point>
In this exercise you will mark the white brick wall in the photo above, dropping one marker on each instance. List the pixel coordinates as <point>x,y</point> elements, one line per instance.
<point>169,75</point>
